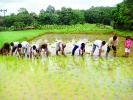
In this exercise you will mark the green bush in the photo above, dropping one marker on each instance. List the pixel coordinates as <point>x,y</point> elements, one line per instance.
<point>2,28</point>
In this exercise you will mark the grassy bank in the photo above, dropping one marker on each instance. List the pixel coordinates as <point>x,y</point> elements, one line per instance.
<point>10,36</point>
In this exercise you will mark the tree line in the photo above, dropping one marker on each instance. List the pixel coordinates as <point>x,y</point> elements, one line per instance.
<point>120,17</point>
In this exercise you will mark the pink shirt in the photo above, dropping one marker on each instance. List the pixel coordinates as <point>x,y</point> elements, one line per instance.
<point>128,43</point>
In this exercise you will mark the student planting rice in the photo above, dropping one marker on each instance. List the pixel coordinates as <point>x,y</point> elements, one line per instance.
<point>60,47</point>
<point>112,44</point>
<point>14,46</point>
<point>5,49</point>
<point>81,46</point>
<point>99,44</point>
<point>128,43</point>
<point>23,48</point>
<point>34,50</point>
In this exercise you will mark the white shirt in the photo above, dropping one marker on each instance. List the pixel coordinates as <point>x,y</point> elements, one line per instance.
<point>15,44</point>
<point>37,47</point>
<point>25,44</point>
<point>79,44</point>
<point>98,43</point>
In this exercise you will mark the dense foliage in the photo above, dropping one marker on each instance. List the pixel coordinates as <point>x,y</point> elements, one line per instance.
<point>123,15</point>
<point>98,15</point>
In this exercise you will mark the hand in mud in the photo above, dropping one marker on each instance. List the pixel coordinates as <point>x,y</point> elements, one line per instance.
<point>65,56</point>
<point>100,57</point>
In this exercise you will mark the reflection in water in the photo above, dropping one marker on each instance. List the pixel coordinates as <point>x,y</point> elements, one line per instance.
<point>108,78</point>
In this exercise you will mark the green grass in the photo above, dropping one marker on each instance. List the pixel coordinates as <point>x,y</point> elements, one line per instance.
<point>11,36</point>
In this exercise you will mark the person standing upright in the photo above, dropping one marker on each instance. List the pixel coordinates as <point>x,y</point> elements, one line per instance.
<point>128,43</point>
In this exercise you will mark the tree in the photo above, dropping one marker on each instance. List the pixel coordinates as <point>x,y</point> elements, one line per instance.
<point>19,24</point>
<point>50,9</point>
<point>98,15</point>
<point>123,16</point>
<point>23,11</point>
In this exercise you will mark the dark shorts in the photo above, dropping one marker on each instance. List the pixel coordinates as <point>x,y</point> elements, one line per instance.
<point>13,50</point>
<point>113,47</point>
<point>93,47</point>
<point>74,49</point>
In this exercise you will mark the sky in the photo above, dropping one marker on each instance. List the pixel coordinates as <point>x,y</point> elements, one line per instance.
<point>13,6</point>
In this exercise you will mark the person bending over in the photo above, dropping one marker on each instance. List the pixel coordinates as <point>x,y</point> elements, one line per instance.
<point>60,47</point>
<point>81,46</point>
<point>112,44</point>
<point>14,46</point>
<point>99,44</point>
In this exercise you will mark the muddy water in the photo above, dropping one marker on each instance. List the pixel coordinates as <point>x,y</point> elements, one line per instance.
<point>66,78</point>
<point>71,39</point>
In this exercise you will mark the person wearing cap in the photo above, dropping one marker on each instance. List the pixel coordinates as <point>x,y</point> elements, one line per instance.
<point>14,46</point>
<point>112,44</point>
<point>128,43</point>
<point>23,48</point>
<point>43,48</point>
<point>34,50</point>
<point>60,47</point>
<point>99,44</point>
<point>81,46</point>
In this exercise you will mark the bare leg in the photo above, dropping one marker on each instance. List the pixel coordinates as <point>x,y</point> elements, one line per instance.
<point>107,54</point>
<point>56,52</point>
<point>127,54</point>
<point>92,52</point>
<point>114,54</point>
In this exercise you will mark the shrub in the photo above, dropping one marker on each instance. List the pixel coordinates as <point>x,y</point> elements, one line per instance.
<point>2,28</point>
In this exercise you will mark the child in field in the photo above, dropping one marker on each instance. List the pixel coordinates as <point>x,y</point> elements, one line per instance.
<point>34,50</point>
<point>128,43</point>
<point>112,44</point>
<point>81,46</point>
<point>99,44</point>
<point>60,47</point>
<point>14,45</point>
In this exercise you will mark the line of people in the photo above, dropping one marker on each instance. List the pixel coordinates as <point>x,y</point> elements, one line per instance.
<point>41,49</point>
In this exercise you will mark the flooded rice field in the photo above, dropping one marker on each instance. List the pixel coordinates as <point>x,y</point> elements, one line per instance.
<point>67,78</point>
<point>71,39</point>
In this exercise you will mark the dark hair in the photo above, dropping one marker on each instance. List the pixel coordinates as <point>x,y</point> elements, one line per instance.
<point>128,37</point>
<point>44,46</point>
<point>82,46</point>
<point>34,47</point>
<point>19,45</point>
<point>103,42</point>
<point>5,48</point>
<point>11,43</point>
<point>6,45</point>
<point>114,38</point>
